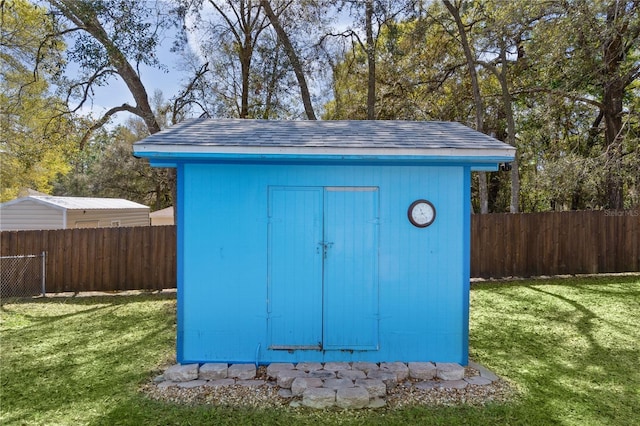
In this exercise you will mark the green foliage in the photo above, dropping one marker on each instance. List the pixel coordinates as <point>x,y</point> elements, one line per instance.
<point>552,57</point>
<point>414,61</point>
<point>583,57</point>
<point>128,24</point>
<point>570,68</point>
<point>128,27</point>
<point>569,346</point>
<point>36,140</point>
<point>106,168</point>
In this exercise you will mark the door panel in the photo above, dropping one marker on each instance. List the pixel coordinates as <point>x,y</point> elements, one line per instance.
<point>295,268</point>
<point>323,280</point>
<point>350,268</point>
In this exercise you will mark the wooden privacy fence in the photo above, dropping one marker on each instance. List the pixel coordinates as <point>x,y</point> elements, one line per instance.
<point>555,243</point>
<point>100,259</point>
<point>502,245</point>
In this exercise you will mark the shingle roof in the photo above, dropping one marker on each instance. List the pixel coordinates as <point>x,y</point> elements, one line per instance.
<point>82,203</point>
<point>322,137</point>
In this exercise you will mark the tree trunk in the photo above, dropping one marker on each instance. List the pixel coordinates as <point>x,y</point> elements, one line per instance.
<point>371,62</point>
<point>477,98</point>
<point>271,86</point>
<point>613,128</point>
<point>293,57</point>
<point>85,19</point>
<point>613,93</point>
<point>511,130</point>
<point>245,67</point>
<point>137,89</point>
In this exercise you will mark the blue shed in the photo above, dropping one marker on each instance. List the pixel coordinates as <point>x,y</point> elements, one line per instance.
<point>323,241</point>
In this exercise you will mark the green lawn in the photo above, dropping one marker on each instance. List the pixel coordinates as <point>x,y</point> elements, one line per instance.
<point>570,346</point>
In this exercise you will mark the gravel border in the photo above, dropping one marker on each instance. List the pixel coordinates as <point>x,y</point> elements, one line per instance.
<point>404,395</point>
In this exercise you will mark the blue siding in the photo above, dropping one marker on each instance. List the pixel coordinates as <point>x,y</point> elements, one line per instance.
<point>322,277</point>
<point>226,283</point>
<point>180,264</point>
<point>295,267</point>
<point>350,268</point>
<point>466,265</point>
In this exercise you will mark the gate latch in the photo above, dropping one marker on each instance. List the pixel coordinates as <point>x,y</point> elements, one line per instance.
<point>325,247</point>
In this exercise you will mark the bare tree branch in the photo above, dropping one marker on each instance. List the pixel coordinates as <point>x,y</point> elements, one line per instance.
<point>87,86</point>
<point>103,120</point>
<point>86,18</point>
<point>181,100</point>
<point>560,93</point>
<point>293,57</point>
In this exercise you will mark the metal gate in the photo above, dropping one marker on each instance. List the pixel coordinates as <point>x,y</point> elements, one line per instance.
<point>22,276</point>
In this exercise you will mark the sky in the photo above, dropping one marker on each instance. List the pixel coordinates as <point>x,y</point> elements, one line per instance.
<point>116,92</point>
<point>169,80</point>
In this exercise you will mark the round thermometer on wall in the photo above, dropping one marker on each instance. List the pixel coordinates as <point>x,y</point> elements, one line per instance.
<point>421,213</point>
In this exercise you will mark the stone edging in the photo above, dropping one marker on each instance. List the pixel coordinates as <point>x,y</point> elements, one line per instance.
<point>331,384</point>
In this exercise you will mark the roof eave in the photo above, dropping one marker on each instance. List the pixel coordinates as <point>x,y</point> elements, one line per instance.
<point>145,150</point>
<point>170,155</point>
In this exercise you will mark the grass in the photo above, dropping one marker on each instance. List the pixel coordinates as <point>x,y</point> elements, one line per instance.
<point>570,346</point>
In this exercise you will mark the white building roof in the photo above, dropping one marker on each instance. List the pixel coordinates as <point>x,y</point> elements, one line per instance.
<point>80,203</point>
<point>166,213</point>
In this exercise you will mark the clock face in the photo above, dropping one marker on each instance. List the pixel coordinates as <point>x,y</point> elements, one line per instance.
<point>421,213</point>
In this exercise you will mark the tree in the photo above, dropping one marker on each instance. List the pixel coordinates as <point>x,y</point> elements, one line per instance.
<point>417,76</point>
<point>36,143</point>
<point>106,168</point>
<point>588,53</point>
<point>112,38</point>
<point>258,52</point>
<point>471,59</point>
<point>244,57</point>
<point>294,59</point>
<point>245,22</point>
<point>376,19</point>
<point>500,38</point>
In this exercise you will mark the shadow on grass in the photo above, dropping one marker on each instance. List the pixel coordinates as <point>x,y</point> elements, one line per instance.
<point>7,307</point>
<point>92,357</point>
<point>572,348</point>
<point>145,412</point>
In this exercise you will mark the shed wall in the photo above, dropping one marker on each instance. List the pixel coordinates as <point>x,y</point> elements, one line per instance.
<point>161,221</point>
<point>223,265</point>
<point>28,214</point>
<point>103,218</point>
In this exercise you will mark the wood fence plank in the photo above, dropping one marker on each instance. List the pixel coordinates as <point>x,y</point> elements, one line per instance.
<point>54,266</point>
<point>147,258</point>
<point>98,270</point>
<point>67,260</point>
<point>88,255</point>
<point>634,230</point>
<point>611,248</point>
<point>502,245</point>
<point>136,272</point>
<point>473,255</point>
<point>121,258</point>
<point>486,251</point>
<point>113,240</point>
<point>172,267</point>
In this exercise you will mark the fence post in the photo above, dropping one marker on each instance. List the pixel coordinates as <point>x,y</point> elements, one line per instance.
<point>44,270</point>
